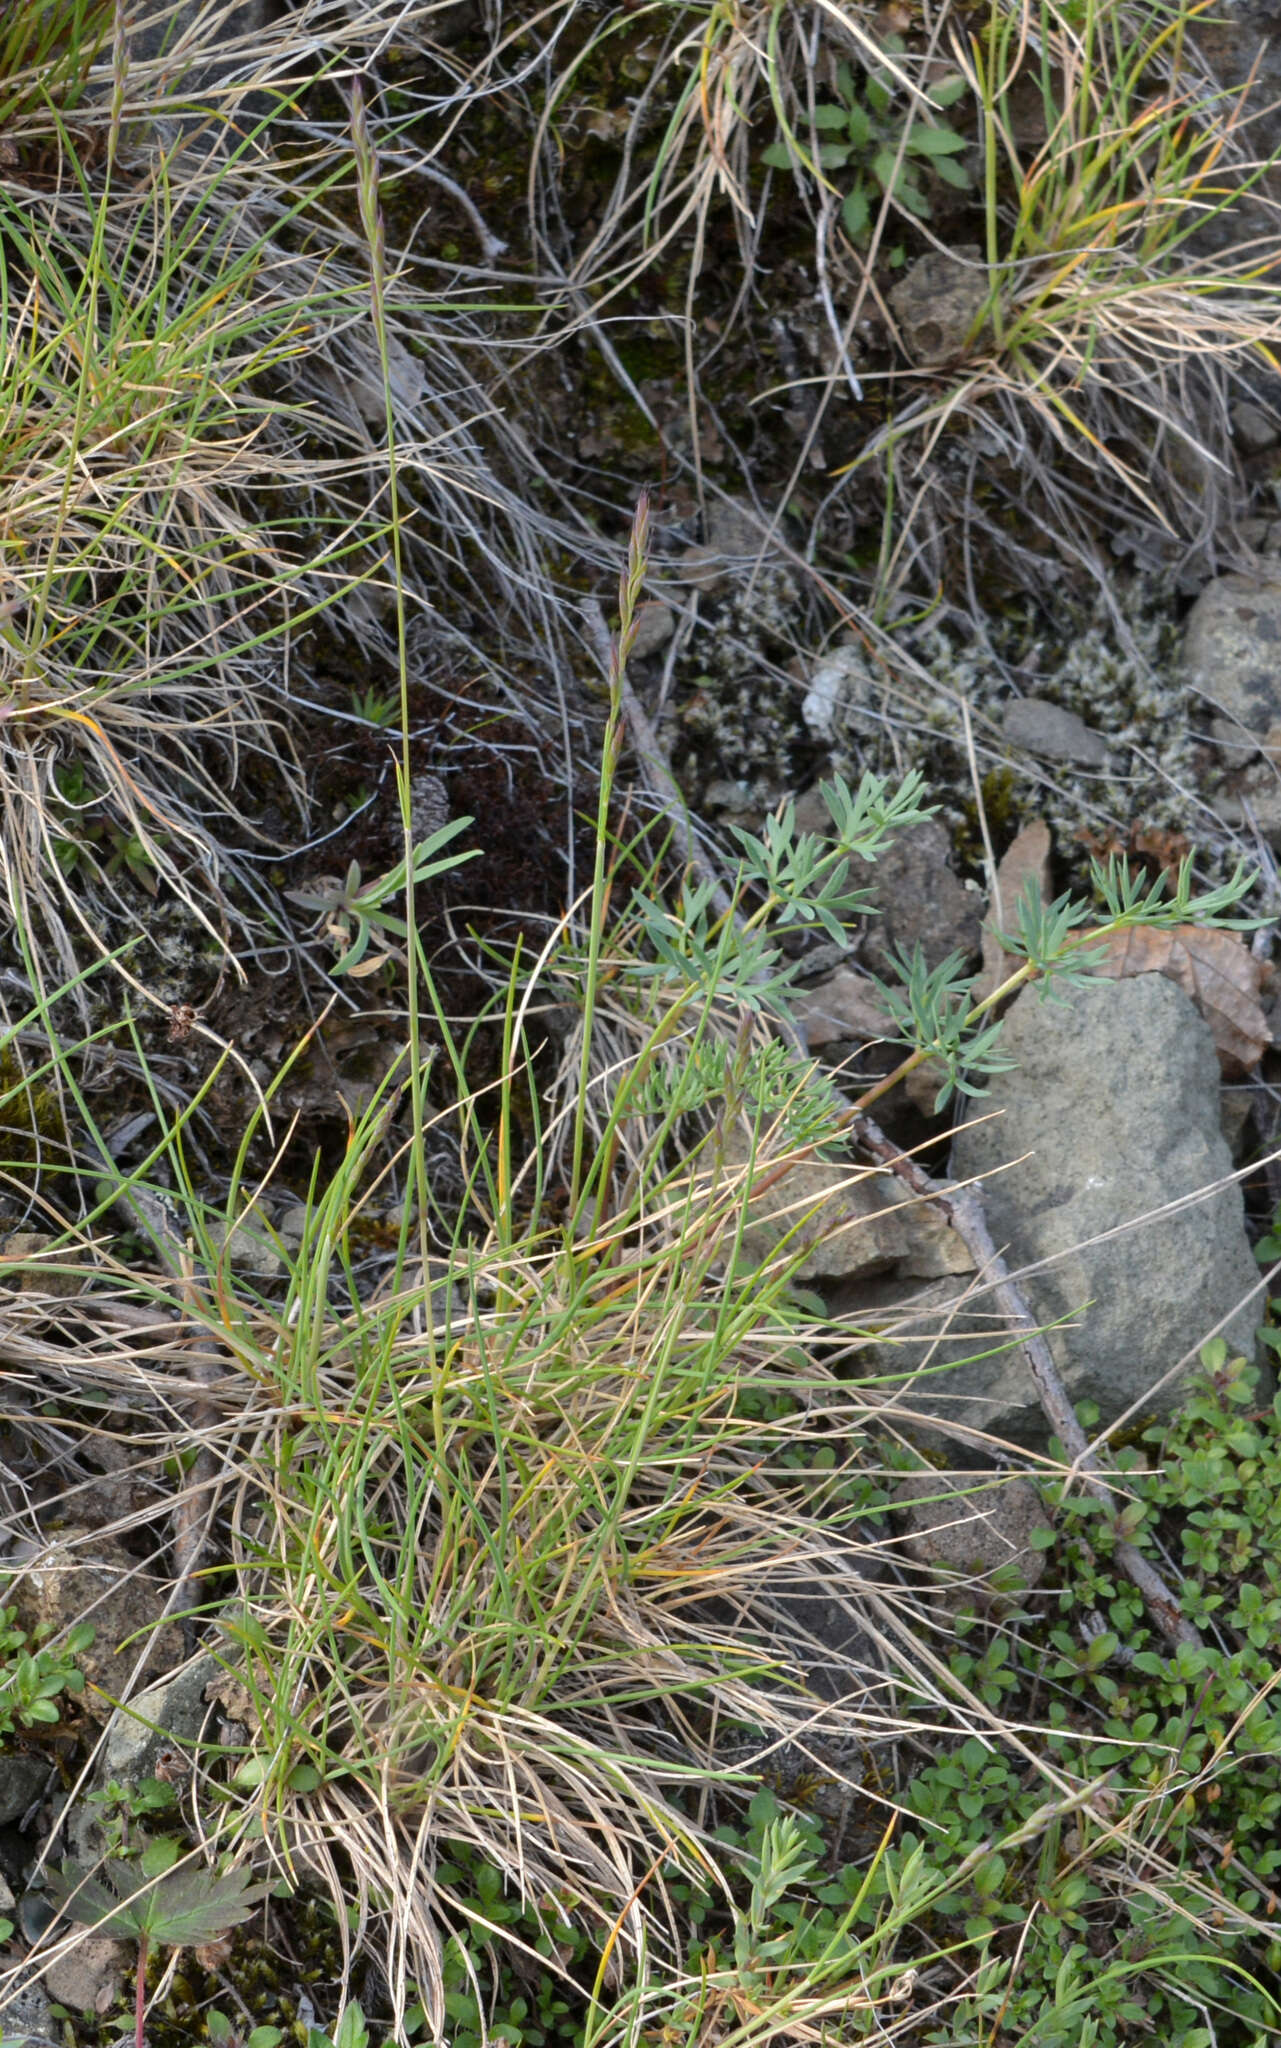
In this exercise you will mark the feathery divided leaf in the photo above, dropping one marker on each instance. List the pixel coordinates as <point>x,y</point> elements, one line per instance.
<point>180,1909</point>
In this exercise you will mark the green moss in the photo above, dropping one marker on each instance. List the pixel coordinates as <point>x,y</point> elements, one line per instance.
<point>32,1122</point>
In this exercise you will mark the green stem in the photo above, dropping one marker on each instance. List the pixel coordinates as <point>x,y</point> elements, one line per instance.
<point>628,604</point>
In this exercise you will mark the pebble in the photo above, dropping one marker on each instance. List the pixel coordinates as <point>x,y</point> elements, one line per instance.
<point>1044,728</point>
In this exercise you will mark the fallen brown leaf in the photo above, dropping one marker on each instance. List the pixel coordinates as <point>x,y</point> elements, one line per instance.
<point>1218,971</point>
<point>1153,847</point>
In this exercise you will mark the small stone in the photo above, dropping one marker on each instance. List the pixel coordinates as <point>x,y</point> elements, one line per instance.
<point>1044,728</point>
<point>835,684</point>
<point>852,1223</point>
<point>292,1227</point>
<point>735,542</point>
<point>1252,803</point>
<point>812,814</point>
<point>87,1977</point>
<point>655,625</point>
<point>736,530</point>
<point>846,1005</point>
<point>939,303</point>
<point>25,2015</point>
<point>704,568</point>
<point>428,806</point>
<point>86,1576</point>
<point>172,1713</point>
<point>249,1250</point>
<point>356,1094</point>
<point>973,1527</point>
<point>736,799</point>
<point>1232,652</point>
<point>1235,1110</point>
<point>1254,429</point>
<point>22,1781</point>
<point>920,901</point>
<point>23,1249</point>
<point>406,380</point>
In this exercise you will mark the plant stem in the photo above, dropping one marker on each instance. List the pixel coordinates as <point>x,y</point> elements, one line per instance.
<point>630,587</point>
<point>140,1991</point>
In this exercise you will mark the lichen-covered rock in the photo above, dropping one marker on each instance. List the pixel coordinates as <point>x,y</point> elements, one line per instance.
<point>82,1575</point>
<point>940,302</point>
<point>1232,656</point>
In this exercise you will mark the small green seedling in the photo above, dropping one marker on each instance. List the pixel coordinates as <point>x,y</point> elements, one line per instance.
<point>352,911</point>
<point>224,2034</point>
<point>33,1677</point>
<point>888,146</point>
<point>119,1805</point>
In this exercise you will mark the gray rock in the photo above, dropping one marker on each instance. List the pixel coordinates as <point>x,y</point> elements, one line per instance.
<point>1260,534</point>
<point>835,686</point>
<point>851,1223</point>
<point>735,542</point>
<point>1115,1102</point>
<point>428,806</point>
<point>1238,42</point>
<point>939,302</point>
<point>973,1528</point>
<point>844,1005</point>
<point>25,2014</point>
<point>812,1624</point>
<point>1232,654</point>
<point>173,1712</point>
<point>158,1724</point>
<point>939,1354</point>
<point>655,625</point>
<point>88,1975</point>
<point>248,1248</point>
<point>172,37</point>
<point>1254,428</point>
<point>920,900</point>
<point>292,1226</point>
<point>1047,729</point>
<point>1252,802</point>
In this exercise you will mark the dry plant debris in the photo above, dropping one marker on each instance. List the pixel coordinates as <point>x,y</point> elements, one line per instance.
<point>1219,972</point>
